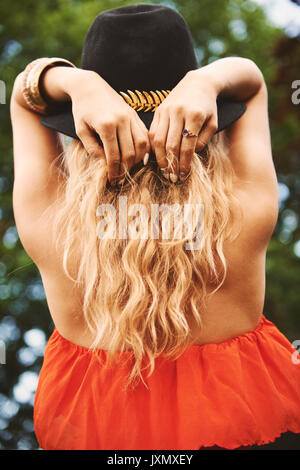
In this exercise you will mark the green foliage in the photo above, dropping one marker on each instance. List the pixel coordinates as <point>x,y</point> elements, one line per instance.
<point>57,28</point>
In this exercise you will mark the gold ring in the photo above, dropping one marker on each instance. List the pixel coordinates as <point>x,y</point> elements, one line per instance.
<point>187,133</point>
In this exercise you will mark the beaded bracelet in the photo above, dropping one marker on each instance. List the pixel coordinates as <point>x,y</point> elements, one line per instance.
<point>31,82</point>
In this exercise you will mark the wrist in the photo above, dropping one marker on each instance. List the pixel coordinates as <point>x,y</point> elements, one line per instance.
<point>55,83</point>
<point>204,77</point>
<point>236,78</point>
<point>78,81</point>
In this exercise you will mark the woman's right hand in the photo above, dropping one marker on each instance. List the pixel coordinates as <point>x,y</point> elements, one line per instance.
<point>97,107</point>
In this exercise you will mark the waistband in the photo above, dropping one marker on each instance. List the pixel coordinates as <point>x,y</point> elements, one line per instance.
<point>250,335</point>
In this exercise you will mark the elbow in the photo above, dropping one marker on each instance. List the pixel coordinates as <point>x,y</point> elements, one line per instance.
<point>16,95</point>
<point>256,72</point>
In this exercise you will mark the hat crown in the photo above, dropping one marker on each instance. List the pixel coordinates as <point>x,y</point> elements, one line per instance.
<point>141,46</point>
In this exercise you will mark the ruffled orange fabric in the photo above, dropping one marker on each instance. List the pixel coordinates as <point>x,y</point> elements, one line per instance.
<point>241,392</point>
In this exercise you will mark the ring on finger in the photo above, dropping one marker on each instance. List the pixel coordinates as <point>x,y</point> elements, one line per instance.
<point>187,133</point>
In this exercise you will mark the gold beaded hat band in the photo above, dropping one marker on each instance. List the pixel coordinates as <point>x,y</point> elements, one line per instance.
<point>142,51</point>
<point>144,101</point>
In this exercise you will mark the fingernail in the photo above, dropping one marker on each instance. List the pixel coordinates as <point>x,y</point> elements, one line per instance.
<point>173,177</point>
<point>120,182</point>
<point>146,158</point>
<point>165,173</point>
<point>183,176</point>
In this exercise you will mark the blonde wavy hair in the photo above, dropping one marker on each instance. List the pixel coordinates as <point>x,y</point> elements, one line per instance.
<point>141,294</point>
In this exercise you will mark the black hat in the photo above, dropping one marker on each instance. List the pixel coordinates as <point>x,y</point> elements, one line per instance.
<point>142,51</point>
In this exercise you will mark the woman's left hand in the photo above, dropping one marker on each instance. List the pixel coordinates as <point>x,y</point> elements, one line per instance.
<point>190,105</point>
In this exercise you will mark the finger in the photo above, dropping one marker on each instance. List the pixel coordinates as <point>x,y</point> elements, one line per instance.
<point>126,146</point>
<point>90,143</point>
<point>173,144</point>
<point>108,135</point>
<point>152,130</point>
<point>159,142</point>
<point>146,131</point>
<point>143,126</point>
<point>206,133</point>
<point>187,149</point>
<point>153,127</point>
<point>141,140</point>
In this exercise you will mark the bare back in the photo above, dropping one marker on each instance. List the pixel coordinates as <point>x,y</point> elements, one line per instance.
<point>234,309</point>
<point>237,306</point>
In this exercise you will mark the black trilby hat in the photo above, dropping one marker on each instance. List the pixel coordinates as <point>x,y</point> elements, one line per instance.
<point>142,51</point>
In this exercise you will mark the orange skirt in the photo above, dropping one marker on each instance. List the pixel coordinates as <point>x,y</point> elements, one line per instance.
<point>241,392</point>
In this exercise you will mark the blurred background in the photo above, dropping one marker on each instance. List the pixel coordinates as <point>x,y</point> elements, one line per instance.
<point>265,31</point>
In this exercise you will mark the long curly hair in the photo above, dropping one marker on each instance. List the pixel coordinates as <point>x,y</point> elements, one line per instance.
<point>141,293</point>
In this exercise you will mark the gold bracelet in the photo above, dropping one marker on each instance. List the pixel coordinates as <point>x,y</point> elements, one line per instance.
<point>31,82</point>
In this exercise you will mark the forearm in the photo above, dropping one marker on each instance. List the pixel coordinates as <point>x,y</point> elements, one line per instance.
<point>57,84</point>
<point>232,77</point>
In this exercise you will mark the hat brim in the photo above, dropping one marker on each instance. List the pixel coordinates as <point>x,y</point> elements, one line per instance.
<point>63,121</point>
